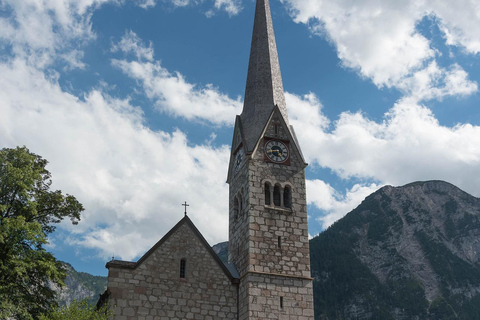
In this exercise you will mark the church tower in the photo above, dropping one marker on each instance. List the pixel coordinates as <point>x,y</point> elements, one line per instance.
<point>268,238</point>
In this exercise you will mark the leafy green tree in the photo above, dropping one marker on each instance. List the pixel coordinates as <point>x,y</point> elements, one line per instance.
<point>78,310</point>
<point>29,211</point>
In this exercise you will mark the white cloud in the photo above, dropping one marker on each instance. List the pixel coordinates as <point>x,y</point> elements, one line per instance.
<point>381,41</point>
<point>435,83</point>
<point>131,179</point>
<point>408,145</point>
<point>460,25</point>
<point>334,203</point>
<point>172,93</point>
<point>132,44</point>
<point>145,4</point>
<point>232,7</point>
<point>38,30</point>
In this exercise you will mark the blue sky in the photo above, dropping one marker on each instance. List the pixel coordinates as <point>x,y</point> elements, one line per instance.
<point>133,104</point>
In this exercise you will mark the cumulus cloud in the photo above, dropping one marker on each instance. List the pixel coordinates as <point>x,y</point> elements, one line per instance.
<point>434,82</point>
<point>132,180</point>
<point>232,7</point>
<point>171,92</point>
<point>132,44</point>
<point>145,4</point>
<point>408,145</point>
<point>381,40</point>
<point>39,30</point>
<point>336,204</point>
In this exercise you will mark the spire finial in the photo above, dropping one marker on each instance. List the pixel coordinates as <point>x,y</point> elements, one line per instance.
<point>264,87</point>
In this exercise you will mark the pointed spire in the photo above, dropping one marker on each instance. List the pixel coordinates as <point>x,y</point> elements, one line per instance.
<point>264,88</point>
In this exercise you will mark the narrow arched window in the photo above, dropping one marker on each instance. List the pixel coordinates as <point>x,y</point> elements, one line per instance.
<point>240,203</point>
<point>267,194</point>
<point>183,268</point>
<point>287,197</point>
<point>235,207</point>
<point>276,196</point>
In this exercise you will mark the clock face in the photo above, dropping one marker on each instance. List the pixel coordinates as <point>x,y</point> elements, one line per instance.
<point>238,159</point>
<point>276,151</point>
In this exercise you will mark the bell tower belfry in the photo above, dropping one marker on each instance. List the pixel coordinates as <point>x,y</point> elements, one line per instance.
<point>268,237</point>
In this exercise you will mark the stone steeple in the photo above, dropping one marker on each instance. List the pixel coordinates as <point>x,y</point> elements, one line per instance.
<point>264,89</point>
<point>268,221</point>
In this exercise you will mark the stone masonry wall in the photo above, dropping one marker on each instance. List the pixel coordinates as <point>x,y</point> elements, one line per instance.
<point>269,222</point>
<point>279,298</point>
<point>239,226</point>
<point>269,243</point>
<point>155,291</point>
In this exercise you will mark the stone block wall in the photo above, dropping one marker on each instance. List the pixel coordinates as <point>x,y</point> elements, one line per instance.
<point>274,260</point>
<point>239,226</point>
<point>154,289</point>
<point>290,254</point>
<point>276,297</point>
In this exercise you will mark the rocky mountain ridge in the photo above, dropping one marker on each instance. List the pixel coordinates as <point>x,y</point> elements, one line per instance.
<point>408,252</point>
<point>80,286</point>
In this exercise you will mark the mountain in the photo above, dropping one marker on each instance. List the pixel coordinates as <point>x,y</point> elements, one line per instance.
<point>410,252</point>
<point>79,286</point>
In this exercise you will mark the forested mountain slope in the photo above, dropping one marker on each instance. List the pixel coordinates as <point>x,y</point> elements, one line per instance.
<point>408,252</point>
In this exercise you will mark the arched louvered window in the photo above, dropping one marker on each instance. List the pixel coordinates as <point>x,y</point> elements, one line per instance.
<point>268,201</point>
<point>183,268</point>
<point>236,206</point>
<point>276,196</point>
<point>287,197</point>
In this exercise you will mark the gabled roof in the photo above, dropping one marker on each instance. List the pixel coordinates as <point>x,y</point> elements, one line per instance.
<point>229,270</point>
<point>264,89</point>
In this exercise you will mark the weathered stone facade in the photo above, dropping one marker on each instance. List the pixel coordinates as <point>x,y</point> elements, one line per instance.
<point>268,208</point>
<point>153,289</point>
<point>274,297</point>
<point>268,241</point>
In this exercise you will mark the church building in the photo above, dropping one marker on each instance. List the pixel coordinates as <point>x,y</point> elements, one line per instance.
<point>267,275</point>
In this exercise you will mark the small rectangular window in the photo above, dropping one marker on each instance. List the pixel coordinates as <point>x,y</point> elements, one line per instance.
<point>279,242</point>
<point>281,303</point>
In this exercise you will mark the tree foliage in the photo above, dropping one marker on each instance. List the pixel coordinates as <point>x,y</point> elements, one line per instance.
<point>78,310</point>
<point>29,211</point>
